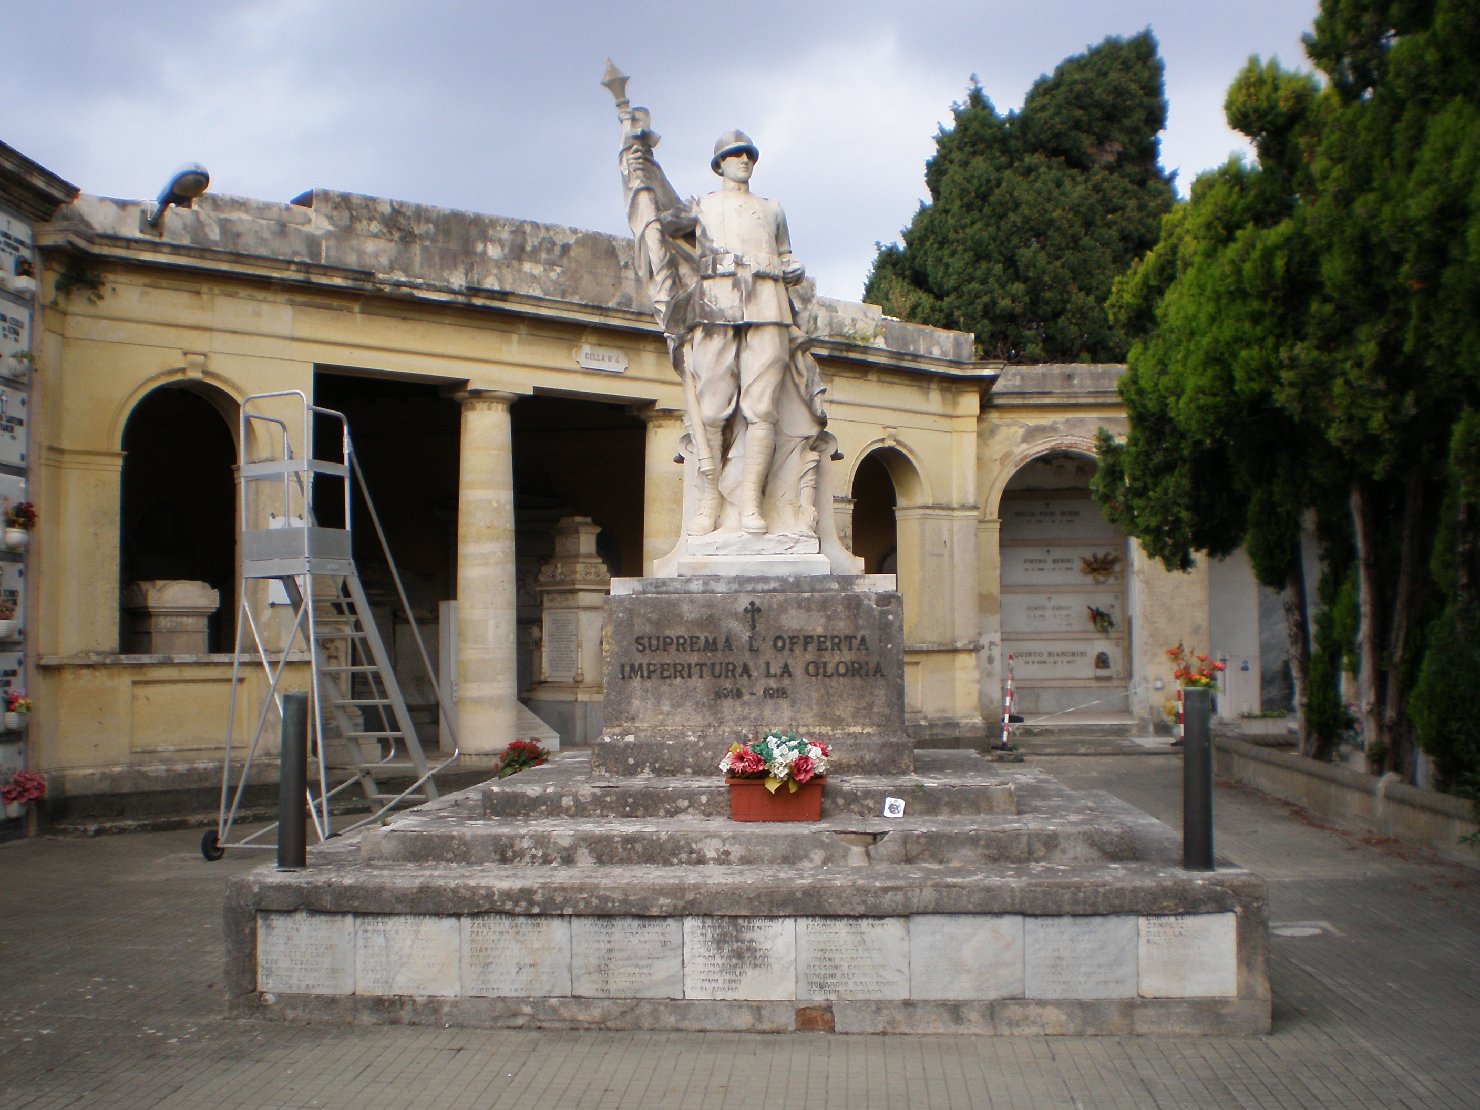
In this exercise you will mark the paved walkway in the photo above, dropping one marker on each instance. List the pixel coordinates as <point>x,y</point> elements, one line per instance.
<point>111,955</point>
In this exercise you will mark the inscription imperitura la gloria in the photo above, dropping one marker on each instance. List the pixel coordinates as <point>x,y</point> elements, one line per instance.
<point>776,660</point>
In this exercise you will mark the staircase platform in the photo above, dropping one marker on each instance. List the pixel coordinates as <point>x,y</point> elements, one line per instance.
<point>1000,902</point>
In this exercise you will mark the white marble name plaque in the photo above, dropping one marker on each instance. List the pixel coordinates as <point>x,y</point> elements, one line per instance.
<point>512,956</point>
<point>853,957</point>
<point>560,644</point>
<point>1054,518</point>
<point>1068,659</point>
<point>591,357</point>
<point>966,956</point>
<point>1063,565</point>
<point>11,678</point>
<point>739,957</point>
<point>14,407</point>
<point>626,957</point>
<point>1080,957</point>
<point>305,953</point>
<point>406,954</point>
<point>1040,613</point>
<point>17,240</point>
<point>1189,956</point>
<point>15,328</point>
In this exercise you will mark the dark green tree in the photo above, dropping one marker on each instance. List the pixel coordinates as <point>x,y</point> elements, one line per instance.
<point>1311,326</point>
<point>1032,215</point>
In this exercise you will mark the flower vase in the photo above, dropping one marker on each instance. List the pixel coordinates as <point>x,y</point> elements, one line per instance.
<point>17,539</point>
<point>13,722</point>
<point>751,801</point>
<point>14,810</point>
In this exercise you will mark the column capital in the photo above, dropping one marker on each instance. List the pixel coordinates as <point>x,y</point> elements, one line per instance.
<point>651,413</point>
<point>485,399</point>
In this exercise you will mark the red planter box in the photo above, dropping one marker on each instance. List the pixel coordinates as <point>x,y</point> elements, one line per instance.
<point>751,801</point>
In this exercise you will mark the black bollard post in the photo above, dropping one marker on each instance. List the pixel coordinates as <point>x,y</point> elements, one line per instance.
<point>292,840</point>
<point>1197,779</point>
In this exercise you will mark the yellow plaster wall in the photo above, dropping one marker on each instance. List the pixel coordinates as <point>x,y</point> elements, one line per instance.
<point>235,335</point>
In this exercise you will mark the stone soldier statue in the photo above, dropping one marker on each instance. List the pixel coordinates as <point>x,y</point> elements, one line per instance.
<point>729,294</point>
<point>739,347</point>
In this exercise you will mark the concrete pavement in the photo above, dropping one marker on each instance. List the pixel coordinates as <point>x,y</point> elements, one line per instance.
<point>111,960</point>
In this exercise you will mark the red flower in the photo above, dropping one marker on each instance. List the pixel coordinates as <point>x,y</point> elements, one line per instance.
<point>802,768</point>
<point>748,763</point>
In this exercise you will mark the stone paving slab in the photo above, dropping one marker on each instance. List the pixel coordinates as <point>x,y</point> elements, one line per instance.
<point>112,997</point>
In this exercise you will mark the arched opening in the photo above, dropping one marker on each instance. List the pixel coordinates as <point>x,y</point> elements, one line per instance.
<point>875,532</point>
<point>1063,592</point>
<point>176,516</point>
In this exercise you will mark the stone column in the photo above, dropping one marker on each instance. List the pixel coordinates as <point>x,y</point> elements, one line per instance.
<point>843,519</point>
<point>487,659</point>
<point>662,491</point>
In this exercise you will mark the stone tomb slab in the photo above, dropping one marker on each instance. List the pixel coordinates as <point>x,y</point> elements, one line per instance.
<point>1189,956</point>
<point>306,953</point>
<point>853,957</point>
<point>406,954</point>
<point>739,958</point>
<point>627,957</point>
<point>1080,957</point>
<point>694,664</point>
<point>966,956</point>
<point>512,956</point>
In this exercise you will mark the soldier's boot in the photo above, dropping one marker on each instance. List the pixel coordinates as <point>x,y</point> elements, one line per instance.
<point>706,513</point>
<point>760,439</point>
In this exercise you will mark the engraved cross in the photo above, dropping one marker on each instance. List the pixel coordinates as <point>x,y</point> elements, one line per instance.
<point>752,611</point>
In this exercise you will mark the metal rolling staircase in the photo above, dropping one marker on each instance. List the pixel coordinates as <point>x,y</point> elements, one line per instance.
<point>368,730</point>
<point>361,732</point>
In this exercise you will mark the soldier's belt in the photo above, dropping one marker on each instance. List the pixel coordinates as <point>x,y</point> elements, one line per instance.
<point>728,265</point>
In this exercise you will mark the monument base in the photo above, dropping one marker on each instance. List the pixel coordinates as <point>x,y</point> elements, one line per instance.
<point>998,902</point>
<point>693,665</point>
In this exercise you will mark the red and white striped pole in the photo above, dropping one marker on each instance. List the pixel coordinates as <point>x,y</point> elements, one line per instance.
<point>1007,707</point>
<point>1181,728</point>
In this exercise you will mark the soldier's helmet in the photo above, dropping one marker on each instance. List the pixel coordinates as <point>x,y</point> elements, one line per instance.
<point>729,143</point>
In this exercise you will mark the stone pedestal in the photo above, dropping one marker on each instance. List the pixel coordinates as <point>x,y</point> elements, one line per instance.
<point>567,691</point>
<point>694,664</point>
<point>169,616</point>
<point>998,903</point>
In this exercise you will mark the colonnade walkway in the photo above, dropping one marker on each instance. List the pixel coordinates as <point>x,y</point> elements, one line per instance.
<point>111,967</point>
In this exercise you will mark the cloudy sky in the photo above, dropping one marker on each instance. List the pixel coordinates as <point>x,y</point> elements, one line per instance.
<point>496,106</point>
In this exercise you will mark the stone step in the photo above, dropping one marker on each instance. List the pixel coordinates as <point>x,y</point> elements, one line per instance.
<point>1067,913</point>
<point>945,783</point>
<point>844,841</point>
<point>1102,887</point>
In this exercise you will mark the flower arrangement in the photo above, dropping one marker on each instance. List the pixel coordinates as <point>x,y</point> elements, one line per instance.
<point>521,755</point>
<point>23,787</point>
<point>21,515</point>
<point>16,701</point>
<point>1193,670</point>
<point>777,757</point>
